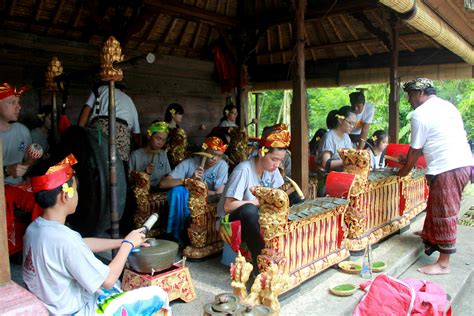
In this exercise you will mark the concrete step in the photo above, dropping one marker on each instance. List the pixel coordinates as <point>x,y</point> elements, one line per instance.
<point>458,284</point>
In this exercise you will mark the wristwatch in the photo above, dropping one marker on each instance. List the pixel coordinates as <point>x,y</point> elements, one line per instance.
<point>5,171</point>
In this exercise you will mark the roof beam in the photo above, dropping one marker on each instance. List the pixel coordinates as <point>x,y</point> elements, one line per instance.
<point>176,8</point>
<point>281,16</point>
<point>332,46</point>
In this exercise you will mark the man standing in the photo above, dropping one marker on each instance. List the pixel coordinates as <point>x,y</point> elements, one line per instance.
<point>95,115</point>
<point>449,159</point>
<point>365,112</point>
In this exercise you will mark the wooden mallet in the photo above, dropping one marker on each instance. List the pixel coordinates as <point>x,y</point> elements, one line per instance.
<point>204,158</point>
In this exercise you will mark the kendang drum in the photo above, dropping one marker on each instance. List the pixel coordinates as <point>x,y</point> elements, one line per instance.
<point>92,216</point>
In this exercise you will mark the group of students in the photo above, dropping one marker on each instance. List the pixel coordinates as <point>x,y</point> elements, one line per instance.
<point>59,266</point>
<point>348,127</point>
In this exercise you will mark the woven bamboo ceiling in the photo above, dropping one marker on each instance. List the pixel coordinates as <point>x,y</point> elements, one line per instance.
<point>341,29</point>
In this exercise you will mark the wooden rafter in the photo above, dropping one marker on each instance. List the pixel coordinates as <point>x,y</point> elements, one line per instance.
<point>37,9</point>
<point>164,37</point>
<point>177,9</point>
<point>58,10</point>
<point>75,17</point>
<point>355,42</point>
<point>11,7</point>
<point>36,12</point>
<point>227,6</point>
<point>376,31</point>
<point>197,33</point>
<point>339,36</point>
<point>353,33</point>
<point>404,43</point>
<point>150,29</point>
<point>313,54</point>
<point>281,16</point>
<point>269,45</point>
<point>183,32</point>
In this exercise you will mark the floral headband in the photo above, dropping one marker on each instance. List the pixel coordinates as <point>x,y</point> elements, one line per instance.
<point>6,90</point>
<point>214,143</point>
<point>339,116</point>
<point>158,127</point>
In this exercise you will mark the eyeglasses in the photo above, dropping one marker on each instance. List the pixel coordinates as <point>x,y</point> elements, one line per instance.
<point>351,123</point>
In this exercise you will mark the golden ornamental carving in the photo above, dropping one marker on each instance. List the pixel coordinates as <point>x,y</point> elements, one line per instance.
<point>239,275</point>
<point>146,201</point>
<point>204,239</point>
<point>266,287</point>
<point>177,145</point>
<point>111,53</point>
<point>54,69</point>
<point>274,205</point>
<point>238,148</point>
<point>355,161</point>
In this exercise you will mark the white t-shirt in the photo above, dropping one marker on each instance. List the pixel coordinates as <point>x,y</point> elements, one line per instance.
<point>242,179</point>
<point>437,128</point>
<point>365,117</point>
<point>60,269</point>
<point>125,108</point>
<point>331,142</point>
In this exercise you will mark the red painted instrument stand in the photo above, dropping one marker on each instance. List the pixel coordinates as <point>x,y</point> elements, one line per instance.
<point>176,282</point>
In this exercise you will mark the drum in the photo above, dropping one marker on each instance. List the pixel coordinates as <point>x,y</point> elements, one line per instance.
<point>92,217</point>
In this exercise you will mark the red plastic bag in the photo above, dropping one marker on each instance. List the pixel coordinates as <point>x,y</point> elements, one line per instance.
<point>388,296</point>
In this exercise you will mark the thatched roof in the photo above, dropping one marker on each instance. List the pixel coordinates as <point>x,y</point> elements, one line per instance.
<point>347,30</point>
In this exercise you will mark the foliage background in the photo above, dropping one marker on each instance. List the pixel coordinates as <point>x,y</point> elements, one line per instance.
<point>323,100</point>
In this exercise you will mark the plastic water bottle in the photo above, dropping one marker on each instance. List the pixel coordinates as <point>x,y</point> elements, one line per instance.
<point>366,271</point>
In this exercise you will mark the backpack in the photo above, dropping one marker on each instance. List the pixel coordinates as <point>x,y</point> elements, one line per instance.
<point>389,296</point>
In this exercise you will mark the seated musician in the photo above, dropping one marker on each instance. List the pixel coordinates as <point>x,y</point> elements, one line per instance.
<point>214,173</point>
<point>314,142</point>
<point>262,170</point>
<point>59,266</point>
<point>151,158</point>
<point>174,115</point>
<point>15,140</point>
<point>377,145</point>
<point>340,123</point>
<point>229,116</point>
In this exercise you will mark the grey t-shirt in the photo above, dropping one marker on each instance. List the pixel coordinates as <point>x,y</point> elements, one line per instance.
<point>15,141</point>
<point>242,179</point>
<point>331,143</point>
<point>140,159</point>
<point>60,269</point>
<point>125,108</point>
<point>215,177</point>
<point>226,123</point>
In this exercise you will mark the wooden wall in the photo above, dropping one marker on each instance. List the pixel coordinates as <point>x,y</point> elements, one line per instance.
<point>192,83</point>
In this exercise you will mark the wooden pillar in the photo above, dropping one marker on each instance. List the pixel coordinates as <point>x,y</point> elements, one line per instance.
<point>257,112</point>
<point>4,259</point>
<point>299,125</point>
<point>394,97</point>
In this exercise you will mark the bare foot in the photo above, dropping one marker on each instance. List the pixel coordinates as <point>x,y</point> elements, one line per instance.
<point>417,233</point>
<point>434,269</point>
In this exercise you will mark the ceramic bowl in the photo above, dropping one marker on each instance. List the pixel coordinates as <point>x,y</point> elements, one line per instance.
<point>343,289</point>
<point>350,267</point>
